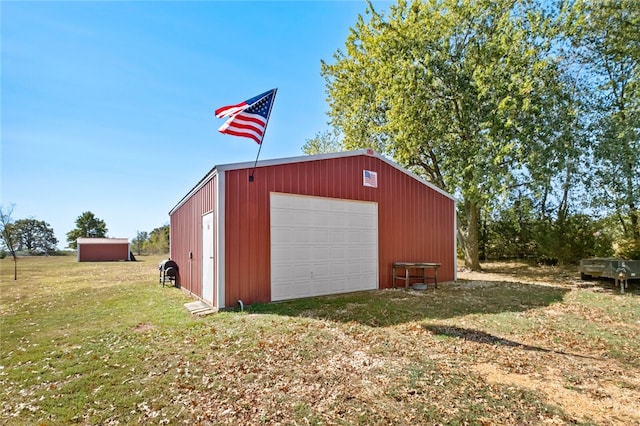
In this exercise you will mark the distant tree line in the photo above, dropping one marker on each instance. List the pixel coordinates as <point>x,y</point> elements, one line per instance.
<point>36,237</point>
<point>154,242</point>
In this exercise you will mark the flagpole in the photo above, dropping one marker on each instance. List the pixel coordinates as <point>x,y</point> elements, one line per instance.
<point>256,162</point>
<point>275,91</point>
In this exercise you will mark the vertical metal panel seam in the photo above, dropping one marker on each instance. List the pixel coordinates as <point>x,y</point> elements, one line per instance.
<point>455,241</point>
<point>221,224</point>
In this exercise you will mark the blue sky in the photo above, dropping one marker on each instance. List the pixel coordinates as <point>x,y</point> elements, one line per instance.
<point>108,106</point>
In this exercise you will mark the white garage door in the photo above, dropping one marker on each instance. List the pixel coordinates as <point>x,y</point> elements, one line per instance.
<point>322,246</point>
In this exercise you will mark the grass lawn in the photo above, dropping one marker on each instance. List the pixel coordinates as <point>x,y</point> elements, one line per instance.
<point>103,343</point>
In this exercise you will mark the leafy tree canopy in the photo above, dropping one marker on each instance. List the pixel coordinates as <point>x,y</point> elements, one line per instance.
<point>323,143</point>
<point>34,236</point>
<point>606,41</point>
<point>87,226</point>
<point>159,240</point>
<point>464,93</point>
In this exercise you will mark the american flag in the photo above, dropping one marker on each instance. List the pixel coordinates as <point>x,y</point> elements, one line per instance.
<point>370,178</point>
<point>249,118</point>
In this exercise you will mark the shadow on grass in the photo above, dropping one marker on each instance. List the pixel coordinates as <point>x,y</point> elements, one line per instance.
<point>390,307</point>
<point>479,336</point>
<point>609,285</point>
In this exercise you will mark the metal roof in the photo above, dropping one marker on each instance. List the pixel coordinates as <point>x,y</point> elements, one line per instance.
<point>103,241</point>
<point>303,158</point>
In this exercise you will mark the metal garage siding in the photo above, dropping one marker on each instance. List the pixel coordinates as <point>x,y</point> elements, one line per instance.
<point>186,236</point>
<point>103,252</point>
<point>415,221</point>
<point>417,224</point>
<point>247,269</point>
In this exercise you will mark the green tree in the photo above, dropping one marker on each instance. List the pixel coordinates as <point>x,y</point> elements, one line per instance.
<point>35,236</point>
<point>140,241</point>
<point>322,143</point>
<point>87,226</point>
<point>507,234</point>
<point>460,92</point>
<point>159,240</point>
<point>606,37</point>
<point>8,236</point>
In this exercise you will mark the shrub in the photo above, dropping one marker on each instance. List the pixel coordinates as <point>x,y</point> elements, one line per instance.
<point>628,249</point>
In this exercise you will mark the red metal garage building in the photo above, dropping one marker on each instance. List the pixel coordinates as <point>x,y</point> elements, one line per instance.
<point>103,249</point>
<point>308,226</point>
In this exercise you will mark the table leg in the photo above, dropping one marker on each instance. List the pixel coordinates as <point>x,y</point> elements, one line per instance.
<point>406,281</point>
<point>435,276</point>
<point>394,277</point>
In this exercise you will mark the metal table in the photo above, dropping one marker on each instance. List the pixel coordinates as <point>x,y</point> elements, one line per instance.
<point>409,266</point>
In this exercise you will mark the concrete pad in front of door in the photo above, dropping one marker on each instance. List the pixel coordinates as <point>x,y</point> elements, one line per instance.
<point>200,308</point>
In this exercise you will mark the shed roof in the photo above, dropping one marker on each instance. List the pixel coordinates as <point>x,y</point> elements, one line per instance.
<point>103,241</point>
<point>290,160</point>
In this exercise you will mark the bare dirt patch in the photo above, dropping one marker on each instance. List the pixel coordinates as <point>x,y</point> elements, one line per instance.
<point>594,398</point>
<point>572,368</point>
<point>143,327</point>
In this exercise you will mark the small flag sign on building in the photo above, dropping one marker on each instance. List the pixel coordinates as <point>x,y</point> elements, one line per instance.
<point>370,178</point>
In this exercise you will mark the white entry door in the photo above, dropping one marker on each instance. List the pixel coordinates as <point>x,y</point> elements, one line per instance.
<point>322,246</point>
<point>207,257</point>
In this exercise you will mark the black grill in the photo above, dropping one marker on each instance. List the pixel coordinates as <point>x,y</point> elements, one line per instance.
<point>168,272</point>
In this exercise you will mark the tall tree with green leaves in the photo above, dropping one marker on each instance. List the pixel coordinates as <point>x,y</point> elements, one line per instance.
<point>460,92</point>
<point>323,143</point>
<point>35,236</point>
<point>87,226</point>
<point>606,37</point>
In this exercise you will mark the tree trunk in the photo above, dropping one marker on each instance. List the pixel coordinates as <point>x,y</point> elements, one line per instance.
<point>469,240</point>
<point>633,211</point>
<point>484,236</point>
